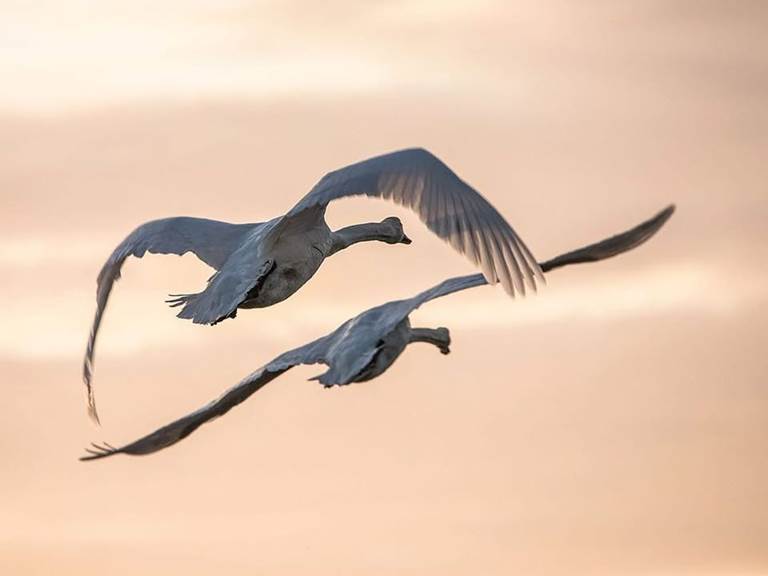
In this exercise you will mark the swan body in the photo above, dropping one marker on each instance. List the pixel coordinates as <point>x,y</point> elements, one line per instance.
<point>367,345</point>
<point>296,259</point>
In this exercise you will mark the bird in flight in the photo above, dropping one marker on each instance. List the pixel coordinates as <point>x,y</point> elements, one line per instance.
<point>261,264</point>
<point>365,346</point>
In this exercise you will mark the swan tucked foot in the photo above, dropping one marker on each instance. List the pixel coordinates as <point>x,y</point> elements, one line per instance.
<point>233,314</point>
<point>176,300</point>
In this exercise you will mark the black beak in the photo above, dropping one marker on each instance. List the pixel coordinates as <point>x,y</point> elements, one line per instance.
<point>405,240</point>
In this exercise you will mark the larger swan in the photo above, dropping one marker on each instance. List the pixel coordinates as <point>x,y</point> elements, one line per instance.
<point>258,265</point>
<point>367,345</point>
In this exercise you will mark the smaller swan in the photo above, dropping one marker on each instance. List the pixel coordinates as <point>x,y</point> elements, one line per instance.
<point>365,346</point>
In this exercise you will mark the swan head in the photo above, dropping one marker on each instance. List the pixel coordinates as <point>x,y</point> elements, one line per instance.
<point>393,227</point>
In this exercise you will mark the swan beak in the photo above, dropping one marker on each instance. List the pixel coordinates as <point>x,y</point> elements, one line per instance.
<point>405,240</point>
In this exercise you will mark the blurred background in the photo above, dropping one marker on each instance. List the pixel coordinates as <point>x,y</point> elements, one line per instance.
<point>615,423</point>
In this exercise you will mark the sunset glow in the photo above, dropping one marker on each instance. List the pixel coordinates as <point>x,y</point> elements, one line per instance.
<point>612,424</point>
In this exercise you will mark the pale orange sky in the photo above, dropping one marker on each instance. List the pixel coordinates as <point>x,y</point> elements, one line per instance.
<point>613,424</point>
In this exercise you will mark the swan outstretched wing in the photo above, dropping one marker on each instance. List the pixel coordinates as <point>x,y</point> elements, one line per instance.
<point>612,246</point>
<point>311,353</point>
<point>210,240</point>
<point>183,427</point>
<point>449,207</point>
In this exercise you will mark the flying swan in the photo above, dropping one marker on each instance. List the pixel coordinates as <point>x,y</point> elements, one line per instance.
<point>367,345</point>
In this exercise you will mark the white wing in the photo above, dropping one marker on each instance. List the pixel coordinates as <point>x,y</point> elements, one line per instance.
<point>607,248</point>
<point>450,208</point>
<point>311,353</point>
<point>210,240</point>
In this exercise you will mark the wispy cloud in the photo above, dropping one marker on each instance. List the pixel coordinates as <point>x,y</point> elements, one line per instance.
<point>79,54</point>
<point>60,56</point>
<point>657,291</point>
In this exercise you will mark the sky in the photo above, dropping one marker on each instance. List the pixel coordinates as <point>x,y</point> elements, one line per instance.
<point>614,423</point>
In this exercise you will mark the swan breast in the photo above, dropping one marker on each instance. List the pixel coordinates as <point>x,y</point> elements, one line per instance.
<point>297,257</point>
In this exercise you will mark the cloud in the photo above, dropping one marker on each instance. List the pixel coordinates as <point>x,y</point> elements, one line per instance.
<point>83,54</point>
<point>138,321</point>
<point>79,54</point>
